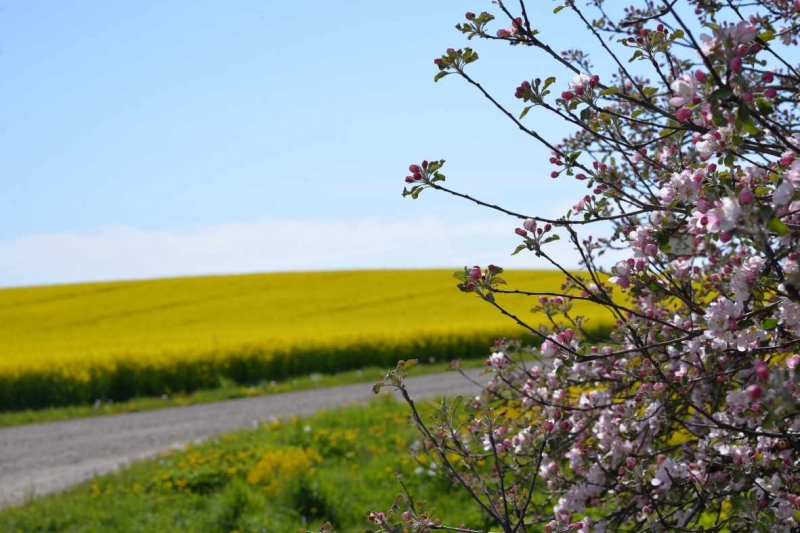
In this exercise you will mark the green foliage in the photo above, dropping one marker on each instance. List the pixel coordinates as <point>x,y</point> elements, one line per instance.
<point>204,488</point>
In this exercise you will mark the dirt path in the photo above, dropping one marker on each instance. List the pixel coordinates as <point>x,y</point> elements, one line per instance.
<point>43,458</point>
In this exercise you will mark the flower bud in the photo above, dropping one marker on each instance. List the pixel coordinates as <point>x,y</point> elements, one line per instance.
<point>701,76</point>
<point>683,114</point>
<point>747,97</point>
<point>770,93</point>
<point>762,370</point>
<point>475,273</point>
<point>470,15</point>
<point>754,391</point>
<point>529,224</point>
<point>745,196</point>
<point>736,64</point>
<point>567,95</point>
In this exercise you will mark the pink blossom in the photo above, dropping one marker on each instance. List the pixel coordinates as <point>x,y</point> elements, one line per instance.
<point>684,90</point>
<point>783,193</point>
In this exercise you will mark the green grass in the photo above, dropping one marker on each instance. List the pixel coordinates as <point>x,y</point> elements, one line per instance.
<point>75,344</point>
<point>227,391</point>
<point>205,488</point>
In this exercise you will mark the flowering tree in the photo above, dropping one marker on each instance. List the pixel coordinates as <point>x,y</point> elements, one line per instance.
<point>687,418</point>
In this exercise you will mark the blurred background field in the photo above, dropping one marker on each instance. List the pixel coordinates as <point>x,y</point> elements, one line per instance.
<point>74,344</point>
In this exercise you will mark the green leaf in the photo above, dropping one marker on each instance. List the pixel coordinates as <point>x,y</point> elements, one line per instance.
<point>720,94</point>
<point>766,36</point>
<point>411,363</point>
<point>460,275</point>
<point>441,75</point>
<point>549,81</point>
<point>519,249</point>
<point>525,112</point>
<point>718,118</point>
<point>609,91</point>
<point>745,122</point>
<point>764,106</point>
<point>377,387</point>
<point>770,323</point>
<point>558,8</point>
<point>677,34</point>
<point>778,227</point>
<point>551,238</point>
<point>650,91</point>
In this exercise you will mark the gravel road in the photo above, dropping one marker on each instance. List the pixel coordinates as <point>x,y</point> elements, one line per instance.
<point>43,458</point>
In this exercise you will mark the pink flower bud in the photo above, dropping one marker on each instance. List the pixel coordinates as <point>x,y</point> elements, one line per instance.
<point>736,64</point>
<point>745,196</point>
<point>567,95</point>
<point>470,15</point>
<point>762,370</point>
<point>475,273</point>
<point>529,224</point>
<point>503,33</point>
<point>754,391</point>
<point>469,286</point>
<point>521,232</point>
<point>437,61</point>
<point>683,114</point>
<point>415,169</point>
<point>701,76</point>
<point>768,77</point>
<point>747,97</point>
<point>770,93</point>
<point>594,80</point>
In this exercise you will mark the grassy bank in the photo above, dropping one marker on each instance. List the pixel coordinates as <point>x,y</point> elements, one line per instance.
<point>282,477</point>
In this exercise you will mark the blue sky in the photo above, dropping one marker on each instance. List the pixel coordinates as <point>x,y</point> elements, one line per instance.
<point>145,139</point>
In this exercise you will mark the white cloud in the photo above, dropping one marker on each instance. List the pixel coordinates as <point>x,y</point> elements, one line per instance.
<point>265,245</point>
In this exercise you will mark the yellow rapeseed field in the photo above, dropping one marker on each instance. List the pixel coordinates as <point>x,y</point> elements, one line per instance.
<point>76,343</point>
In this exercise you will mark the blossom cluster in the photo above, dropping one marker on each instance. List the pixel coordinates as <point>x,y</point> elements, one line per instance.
<point>686,415</point>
